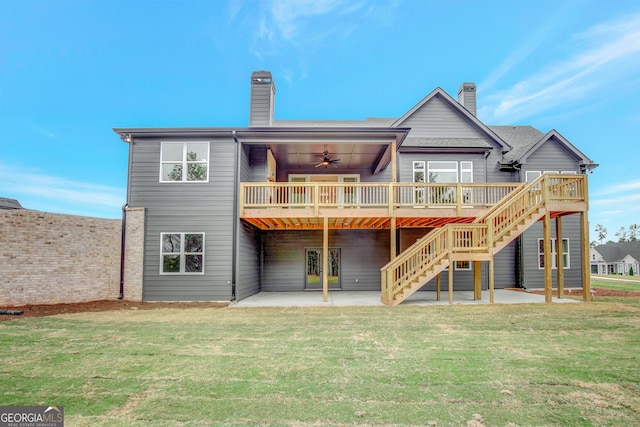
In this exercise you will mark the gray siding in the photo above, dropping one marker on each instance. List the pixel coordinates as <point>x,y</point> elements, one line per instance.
<point>551,156</point>
<point>436,119</point>
<point>248,273</point>
<point>186,207</point>
<point>248,276</point>
<point>533,275</point>
<point>363,253</point>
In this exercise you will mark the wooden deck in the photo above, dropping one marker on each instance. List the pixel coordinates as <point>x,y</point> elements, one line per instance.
<point>305,206</point>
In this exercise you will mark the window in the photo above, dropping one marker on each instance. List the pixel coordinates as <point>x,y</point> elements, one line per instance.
<point>184,162</point>
<point>532,176</point>
<point>565,253</point>
<point>463,265</point>
<point>443,171</point>
<point>182,253</point>
<point>418,176</point>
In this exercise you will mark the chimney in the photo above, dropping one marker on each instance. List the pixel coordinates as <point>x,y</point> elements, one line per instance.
<point>467,97</point>
<point>263,93</point>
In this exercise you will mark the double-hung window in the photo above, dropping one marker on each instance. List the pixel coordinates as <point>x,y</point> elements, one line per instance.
<point>554,251</point>
<point>182,253</point>
<point>184,162</point>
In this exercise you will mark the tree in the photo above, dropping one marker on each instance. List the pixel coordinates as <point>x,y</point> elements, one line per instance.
<point>602,232</point>
<point>622,235</point>
<point>634,232</point>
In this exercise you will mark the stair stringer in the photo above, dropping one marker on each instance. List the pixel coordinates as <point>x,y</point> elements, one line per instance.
<point>417,283</point>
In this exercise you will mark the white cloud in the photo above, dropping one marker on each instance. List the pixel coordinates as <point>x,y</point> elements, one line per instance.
<point>34,189</point>
<point>604,54</point>
<point>288,14</point>
<point>621,188</point>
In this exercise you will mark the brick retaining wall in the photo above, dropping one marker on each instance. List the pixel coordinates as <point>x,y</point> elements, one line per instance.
<point>48,258</point>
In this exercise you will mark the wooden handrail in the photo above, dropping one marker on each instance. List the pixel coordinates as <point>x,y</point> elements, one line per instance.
<point>366,195</point>
<point>482,235</point>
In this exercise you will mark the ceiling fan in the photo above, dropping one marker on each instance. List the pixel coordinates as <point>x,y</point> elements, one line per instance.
<point>327,161</point>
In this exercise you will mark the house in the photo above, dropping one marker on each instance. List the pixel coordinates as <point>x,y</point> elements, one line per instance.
<point>392,204</point>
<point>616,258</point>
<point>6,203</point>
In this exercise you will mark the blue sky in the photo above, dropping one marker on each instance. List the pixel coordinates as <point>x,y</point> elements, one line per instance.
<point>70,71</point>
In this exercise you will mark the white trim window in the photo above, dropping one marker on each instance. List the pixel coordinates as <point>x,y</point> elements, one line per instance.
<point>182,253</point>
<point>442,171</point>
<point>184,162</point>
<point>462,265</point>
<point>419,177</point>
<point>565,254</point>
<point>531,176</point>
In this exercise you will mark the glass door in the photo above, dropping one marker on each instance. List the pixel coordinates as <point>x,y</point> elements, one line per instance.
<point>314,268</point>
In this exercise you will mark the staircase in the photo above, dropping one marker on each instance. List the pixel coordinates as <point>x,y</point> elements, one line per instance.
<point>482,239</point>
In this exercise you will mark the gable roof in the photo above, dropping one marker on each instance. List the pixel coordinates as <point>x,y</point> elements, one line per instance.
<point>615,252</point>
<point>457,107</point>
<point>525,140</point>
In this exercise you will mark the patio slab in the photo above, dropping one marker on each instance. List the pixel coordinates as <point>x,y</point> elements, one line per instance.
<point>372,298</point>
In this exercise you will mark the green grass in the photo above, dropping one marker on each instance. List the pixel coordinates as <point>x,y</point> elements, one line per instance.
<point>619,283</point>
<point>502,365</point>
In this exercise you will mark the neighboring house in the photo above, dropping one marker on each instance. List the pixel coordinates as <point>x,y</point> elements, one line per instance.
<point>615,258</point>
<point>9,203</point>
<point>377,204</point>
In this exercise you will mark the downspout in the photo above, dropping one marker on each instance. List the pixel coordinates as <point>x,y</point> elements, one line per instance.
<point>129,140</point>
<point>236,231</point>
<point>122,248</point>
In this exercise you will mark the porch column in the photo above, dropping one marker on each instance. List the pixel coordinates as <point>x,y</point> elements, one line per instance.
<point>394,167</point>
<point>392,228</point>
<point>477,284</point>
<point>325,259</point>
<point>438,287</point>
<point>548,275</point>
<point>586,268</point>
<point>559,257</point>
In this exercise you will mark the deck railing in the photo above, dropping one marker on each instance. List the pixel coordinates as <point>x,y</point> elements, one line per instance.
<point>288,195</point>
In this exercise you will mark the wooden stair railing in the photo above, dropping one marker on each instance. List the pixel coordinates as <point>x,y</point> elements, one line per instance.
<point>487,235</point>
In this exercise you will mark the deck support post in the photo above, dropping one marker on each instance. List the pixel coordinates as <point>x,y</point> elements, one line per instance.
<point>491,282</point>
<point>477,284</point>
<point>393,237</point>
<point>559,257</point>
<point>451,282</point>
<point>438,287</point>
<point>325,260</point>
<point>548,274</point>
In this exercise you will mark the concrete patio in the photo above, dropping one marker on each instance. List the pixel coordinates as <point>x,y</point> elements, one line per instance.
<point>372,298</point>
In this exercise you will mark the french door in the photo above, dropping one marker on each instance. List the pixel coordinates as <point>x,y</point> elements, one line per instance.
<point>314,268</point>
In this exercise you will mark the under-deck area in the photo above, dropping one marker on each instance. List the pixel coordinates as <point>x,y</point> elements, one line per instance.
<point>469,222</point>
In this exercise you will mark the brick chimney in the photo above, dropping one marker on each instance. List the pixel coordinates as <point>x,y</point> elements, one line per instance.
<point>467,97</point>
<point>263,94</point>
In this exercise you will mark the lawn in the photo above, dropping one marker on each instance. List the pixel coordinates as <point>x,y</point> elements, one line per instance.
<point>501,365</point>
<point>618,283</point>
